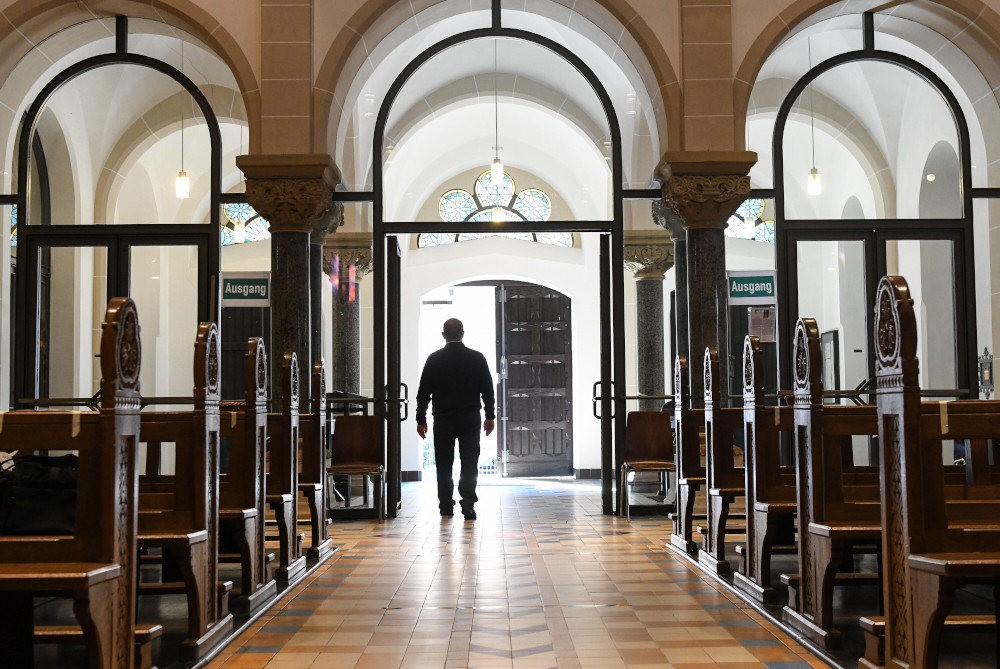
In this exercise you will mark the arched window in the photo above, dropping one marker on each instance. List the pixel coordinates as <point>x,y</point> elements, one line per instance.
<point>495,202</point>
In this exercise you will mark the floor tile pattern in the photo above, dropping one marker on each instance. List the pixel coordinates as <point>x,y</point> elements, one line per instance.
<point>541,579</point>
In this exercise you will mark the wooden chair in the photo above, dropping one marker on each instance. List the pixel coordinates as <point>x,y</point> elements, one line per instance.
<point>283,474</point>
<point>931,546</point>
<point>312,472</point>
<point>770,488</point>
<point>179,513</point>
<point>356,449</point>
<point>96,565</point>
<point>724,481</point>
<point>687,458</point>
<point>648,447</point>
<point>241,490</point>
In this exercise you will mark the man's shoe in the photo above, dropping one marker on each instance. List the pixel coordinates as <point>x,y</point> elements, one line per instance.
<point>449,511</point>
<point>470,514</point>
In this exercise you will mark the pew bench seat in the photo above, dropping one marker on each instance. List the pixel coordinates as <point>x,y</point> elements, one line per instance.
<point>957,565</point>
<point>144,637</point>
<point>874,629</point>
<point>43,577</point>
<point>849,530</point>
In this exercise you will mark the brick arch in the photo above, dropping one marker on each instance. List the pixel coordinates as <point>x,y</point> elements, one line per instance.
<point>341,64</point>
<point>985,18</point>
<point>30,22</point>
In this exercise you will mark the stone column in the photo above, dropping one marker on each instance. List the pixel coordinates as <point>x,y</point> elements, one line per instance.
<point>667,219</point>
<point>347,257</point>
<point>327,224</point>
<point>648,256</point>
<point>291,192</point>
<point>705,188</point>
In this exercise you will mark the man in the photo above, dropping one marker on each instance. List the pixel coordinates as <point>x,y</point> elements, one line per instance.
<point>454,378</point>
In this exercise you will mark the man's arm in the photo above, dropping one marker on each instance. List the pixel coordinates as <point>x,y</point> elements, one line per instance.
<point>423,399</point>
<point>489,396</point>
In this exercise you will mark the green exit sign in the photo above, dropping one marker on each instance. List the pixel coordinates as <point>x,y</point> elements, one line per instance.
<point>752,288</point>
<point>246,289</point>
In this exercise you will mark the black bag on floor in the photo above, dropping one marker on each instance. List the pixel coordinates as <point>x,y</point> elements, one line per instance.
<point>38,495</point>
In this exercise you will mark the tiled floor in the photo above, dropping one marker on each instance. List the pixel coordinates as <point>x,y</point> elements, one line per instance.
<point>541,579</point>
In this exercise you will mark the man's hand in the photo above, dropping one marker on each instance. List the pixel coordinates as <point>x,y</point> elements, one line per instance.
<point>488,425</point>
<point>422,431</point>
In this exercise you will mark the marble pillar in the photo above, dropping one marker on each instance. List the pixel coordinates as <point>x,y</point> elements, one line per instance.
<point>326,225</point>
<point>648,256</point>
<point>291,192</point>
<point>667,219</point>
<point>347,257</point>
<point>704,188</point>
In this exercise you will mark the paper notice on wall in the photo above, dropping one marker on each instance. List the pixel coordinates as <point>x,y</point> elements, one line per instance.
<point>762,323</point>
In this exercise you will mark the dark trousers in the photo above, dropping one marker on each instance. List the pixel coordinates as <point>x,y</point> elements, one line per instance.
<point>444,456</point>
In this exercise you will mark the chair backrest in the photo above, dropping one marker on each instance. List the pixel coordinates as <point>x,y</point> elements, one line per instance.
<point>648,437</point>
<point>356,440</point>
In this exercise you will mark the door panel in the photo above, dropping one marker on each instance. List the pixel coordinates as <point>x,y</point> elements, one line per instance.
<point>538,387</point>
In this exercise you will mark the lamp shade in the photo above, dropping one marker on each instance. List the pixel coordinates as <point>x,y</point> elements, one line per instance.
<point>182,187</point>
<point>814,186</point>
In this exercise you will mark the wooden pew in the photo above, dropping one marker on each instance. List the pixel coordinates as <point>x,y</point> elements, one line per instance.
<point>178,514</point>
<point>242,489</point>
<point>96,565</point>
<point>770,488</point>
<point>687,456</point>
<point>724,481</point>
<point>836,504</point>
<point>312,470</point>
<point>283,473</point>
<point>932,544</point>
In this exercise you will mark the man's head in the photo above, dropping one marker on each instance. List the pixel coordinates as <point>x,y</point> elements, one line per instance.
<point>453,330</point>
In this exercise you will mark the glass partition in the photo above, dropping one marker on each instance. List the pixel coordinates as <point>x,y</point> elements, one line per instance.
<point>73,298</point>
<point>163,280</point>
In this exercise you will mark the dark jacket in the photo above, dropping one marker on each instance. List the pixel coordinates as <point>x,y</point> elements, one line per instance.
<point>455,377</point>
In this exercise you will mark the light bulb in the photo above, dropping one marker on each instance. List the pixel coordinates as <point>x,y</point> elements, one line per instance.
<point>496,171</point>
<point>814,185</point>
<point>182,187</point>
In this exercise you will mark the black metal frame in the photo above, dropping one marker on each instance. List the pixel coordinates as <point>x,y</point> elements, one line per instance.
<point>875,232</point>
<point>612,351</point>
<point>118,237</point>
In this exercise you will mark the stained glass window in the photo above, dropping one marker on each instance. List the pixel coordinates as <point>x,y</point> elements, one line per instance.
<point>494,202</point>
<point>456,205</point>
<point>491,194</point>
<point>245,224</point>
<point>748,222</point>
<point>13,225</point>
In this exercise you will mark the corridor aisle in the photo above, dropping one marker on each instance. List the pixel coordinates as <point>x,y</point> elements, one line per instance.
<point>541,579</point>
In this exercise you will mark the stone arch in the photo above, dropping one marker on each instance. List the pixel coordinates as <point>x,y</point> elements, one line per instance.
<point>799,12</point>
<point>348,51</point>
<point>30,22</point>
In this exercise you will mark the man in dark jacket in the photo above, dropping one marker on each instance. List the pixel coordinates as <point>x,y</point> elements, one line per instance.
<point>454,378</point>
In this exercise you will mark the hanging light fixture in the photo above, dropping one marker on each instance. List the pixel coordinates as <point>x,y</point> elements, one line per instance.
<point>182,186</point>
<point>814,186</point>
<point>496,169</point>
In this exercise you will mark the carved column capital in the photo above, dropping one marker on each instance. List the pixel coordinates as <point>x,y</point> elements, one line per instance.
<point>705,188</point>
<point>290,191</point>
<point>328,223</point>
<point>351,248</point>
<point>648,255</point>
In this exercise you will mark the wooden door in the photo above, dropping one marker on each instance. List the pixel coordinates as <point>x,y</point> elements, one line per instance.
<point>537,390</point>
